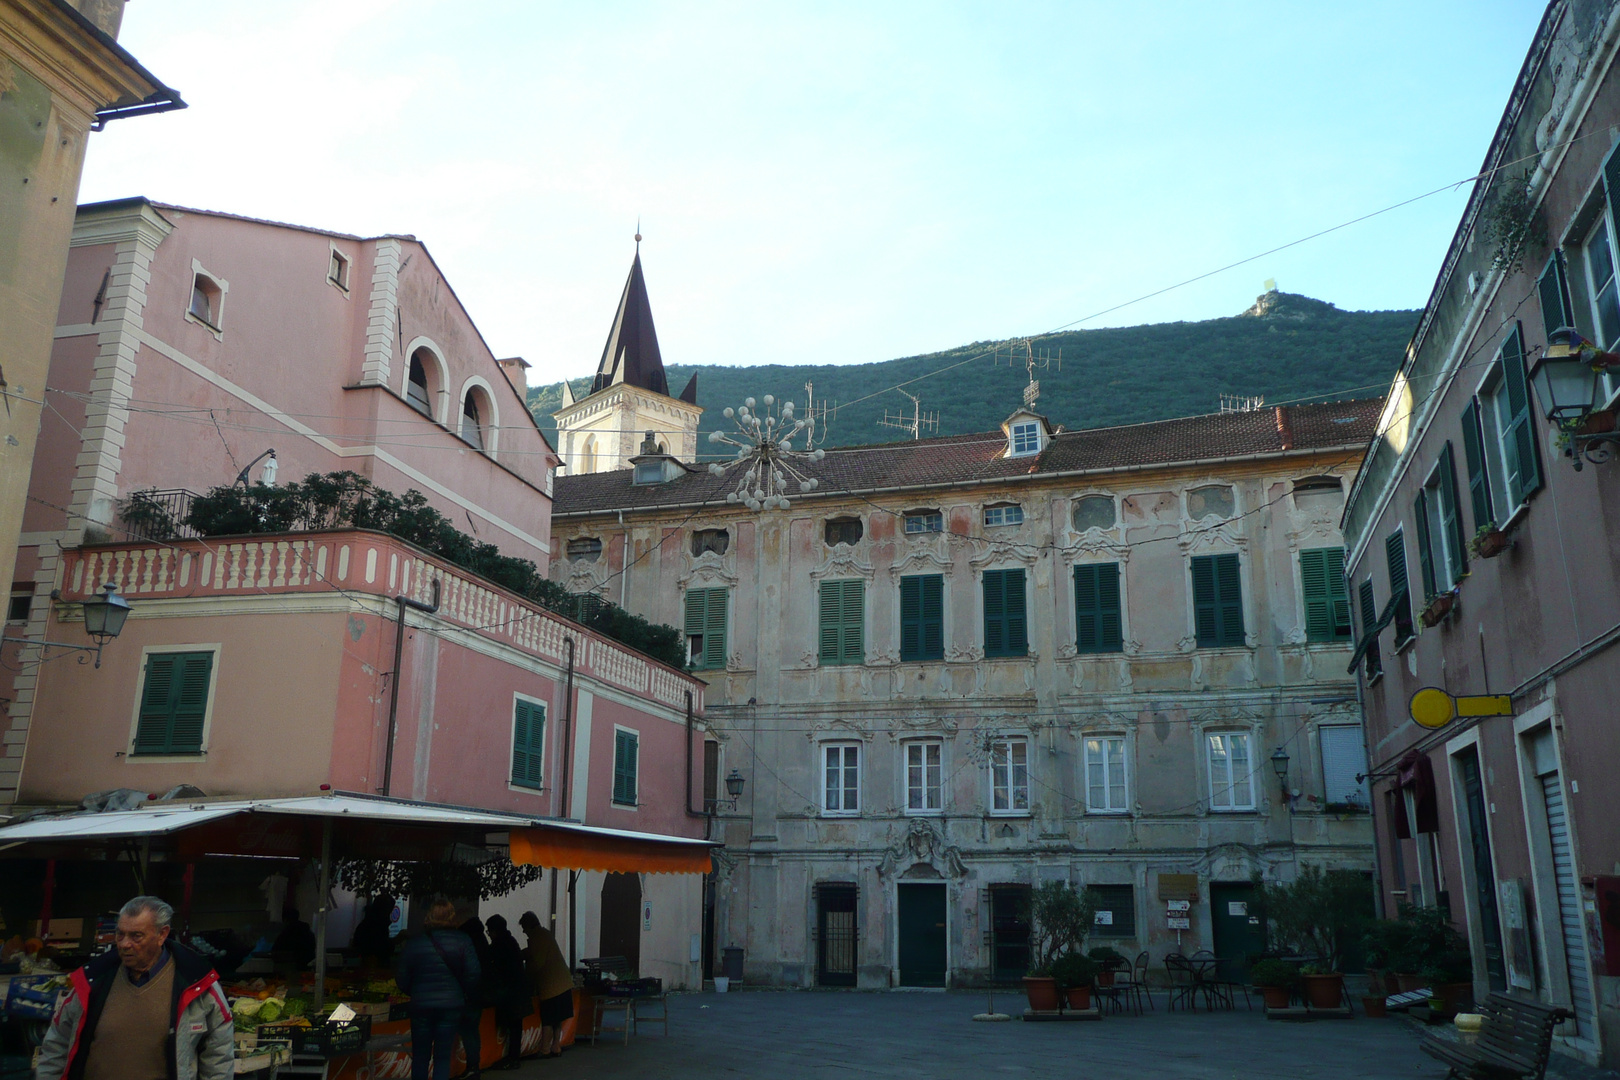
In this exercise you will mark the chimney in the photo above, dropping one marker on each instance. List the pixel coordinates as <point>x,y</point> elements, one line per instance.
<point>517,372</point>
<point>1285,430</point>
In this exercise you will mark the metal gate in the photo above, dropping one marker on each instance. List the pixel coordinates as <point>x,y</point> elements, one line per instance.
<point>835,935</point>
<point>1569,906</point>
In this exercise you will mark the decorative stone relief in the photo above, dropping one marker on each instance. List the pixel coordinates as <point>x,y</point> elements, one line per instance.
<point>1225,537</point>
<point>709,569</point>
<point>922,845</point>
<point>843,562</point>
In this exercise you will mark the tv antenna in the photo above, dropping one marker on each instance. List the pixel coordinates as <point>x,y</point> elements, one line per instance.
<point>1022,353</point>
<point>1242,403</point>
<point>919,419</point>
<point>816,416</point>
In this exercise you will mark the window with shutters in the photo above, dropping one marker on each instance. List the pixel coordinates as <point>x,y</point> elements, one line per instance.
<point>1399,590</point>
<point>1006,627</point>
<point>1115,907</point>
<point>706,629</point>
<point>1372,660</point>
<point>1512,462</point>
<point>1597,260</point>
<point>841,778</point>
<point>1003,514</point>
<point>626,765</point>
<point>1344,766</point>
<point>1327,598</point>
<point>925,777</point>
<point>922,617</point>
<point>1231,770</point>
<point>1098,624</point>
<point>843,621</point>
<point>175,697</point>
<point>1441,556</point>
<point>1009,776</point>
<point>1105,774</point>
<point>1217,588</point>
<point>528,743</point>
<point>1480,502</point>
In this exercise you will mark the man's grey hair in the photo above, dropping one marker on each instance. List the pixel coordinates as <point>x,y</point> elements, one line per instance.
<point>162,913</point>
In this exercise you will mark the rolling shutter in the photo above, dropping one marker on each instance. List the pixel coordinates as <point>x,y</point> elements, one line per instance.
<point>174,703</point>
<point>1344,758</point>
<point>1098,625</point>
<point>1479,486</point>
<point>1521,428</point>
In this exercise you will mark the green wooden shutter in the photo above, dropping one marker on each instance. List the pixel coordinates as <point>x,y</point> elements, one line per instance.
<point>995,614</point>
<point>1229,586</point>
<point>624,767</point>
<point>1399,589</point>
<point>1206,619</point>
<point>1552,287</point>
<point>528,742</point>
<point>1369,619</point>
<point>911,591</point>
<point>1451,515</point>
<point>1098,627</point>
<point>1420,510</point>
<point>1339,591</point>
<point>1017,613</point>
<point>832,615</point>
<point>714,630</point>
<point>1521,429</point>
<point>1479,486</point>
<point>843,622</point>
<point>1318,604</point>
<point>696,608</point>
<point>933,617</point>
<point>174,703</point>
<point>854,620</point>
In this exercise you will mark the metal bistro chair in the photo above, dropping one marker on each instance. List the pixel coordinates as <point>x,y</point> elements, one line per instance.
<point>1125,992</point>
<point>1138,986</point>
<point>1183,981</point>
<point>1207,977</point>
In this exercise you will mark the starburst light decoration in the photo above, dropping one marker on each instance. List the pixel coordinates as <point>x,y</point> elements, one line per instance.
<point>766,462</point>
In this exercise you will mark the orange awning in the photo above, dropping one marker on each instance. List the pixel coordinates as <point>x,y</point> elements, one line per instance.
<point>568,849</point>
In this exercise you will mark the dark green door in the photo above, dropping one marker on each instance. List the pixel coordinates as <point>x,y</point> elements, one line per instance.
<point>1235,925</point>
<point>922,935</point>
<point>1009,931</point>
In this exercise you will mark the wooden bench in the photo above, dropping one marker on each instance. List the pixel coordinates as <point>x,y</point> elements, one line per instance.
<point>1515,1041</point>
<point>601,970</point>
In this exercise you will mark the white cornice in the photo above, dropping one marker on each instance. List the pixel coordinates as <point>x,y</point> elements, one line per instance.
<point>139,221</point>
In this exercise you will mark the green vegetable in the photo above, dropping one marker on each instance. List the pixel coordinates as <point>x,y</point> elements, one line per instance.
<point>270,1011</point>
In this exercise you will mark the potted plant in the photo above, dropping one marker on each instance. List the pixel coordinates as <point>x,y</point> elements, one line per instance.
<point>1375,1006</point>
<point>1109,960</point>
<point>1438,607</point>
<point>1432,954</point>
<point>1074,972</point>
<point>1382,947</point>
<point>1060,916</point>
<point>1275,979</point>
<point>1324,987</point>
<point>1488,542</point>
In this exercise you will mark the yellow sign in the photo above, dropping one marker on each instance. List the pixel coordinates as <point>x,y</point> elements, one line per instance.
<point>1433,707</point>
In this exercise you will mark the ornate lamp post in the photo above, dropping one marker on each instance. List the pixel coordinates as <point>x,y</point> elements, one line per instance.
<point>104,616</point>
<point>1568,377</point>
<point>765,460</point>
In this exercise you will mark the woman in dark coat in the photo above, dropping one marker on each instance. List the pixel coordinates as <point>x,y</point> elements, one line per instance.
<point>508,988</point>
<point>439,969</point>
<point>472,1041</point>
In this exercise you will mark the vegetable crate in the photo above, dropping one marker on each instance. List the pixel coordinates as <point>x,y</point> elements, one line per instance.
<point>32,997</point>
<point>332,1040</point>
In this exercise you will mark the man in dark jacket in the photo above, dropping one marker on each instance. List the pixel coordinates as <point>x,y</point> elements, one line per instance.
<point>150,1010</point>
<point>439,969</point>
<point>509,988</point>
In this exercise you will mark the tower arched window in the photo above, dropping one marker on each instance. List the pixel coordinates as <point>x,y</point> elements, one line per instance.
<point>587,457</point>
<point>416,390</point>
<point>472,424</point>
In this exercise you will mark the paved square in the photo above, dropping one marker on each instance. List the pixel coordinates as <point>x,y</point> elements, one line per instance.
<point>785,1035</point>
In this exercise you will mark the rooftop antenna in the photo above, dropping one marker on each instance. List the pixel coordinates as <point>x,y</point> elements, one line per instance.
<point>919,419</point>
<point>1242,403</point>
<point>816,416</point>
<point>1022,353</point>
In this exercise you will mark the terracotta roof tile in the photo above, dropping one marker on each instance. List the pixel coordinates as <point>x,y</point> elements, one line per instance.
<point>960,459</point>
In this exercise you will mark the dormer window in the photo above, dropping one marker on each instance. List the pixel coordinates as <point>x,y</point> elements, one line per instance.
<point>1003,514</point>
<point>649,472</point>
<point>717,541</point>
<point>846,530</point>
<point>584,549</point>
<point>1026,438</point>
<point>923,521</point>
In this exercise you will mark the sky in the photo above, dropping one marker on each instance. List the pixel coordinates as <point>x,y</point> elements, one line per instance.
<point>831,182</point>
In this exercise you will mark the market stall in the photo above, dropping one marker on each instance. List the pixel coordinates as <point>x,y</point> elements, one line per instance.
<point>321,832</point>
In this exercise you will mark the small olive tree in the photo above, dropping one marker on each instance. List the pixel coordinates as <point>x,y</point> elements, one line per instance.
<point>1060,917</point>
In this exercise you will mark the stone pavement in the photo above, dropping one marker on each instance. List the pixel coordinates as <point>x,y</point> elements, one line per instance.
<point>785,1035</point>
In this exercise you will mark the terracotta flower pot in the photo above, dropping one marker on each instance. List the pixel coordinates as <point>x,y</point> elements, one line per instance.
<point>1275,997</point>
<point>1493,544</point>
<point>1324,991</point>
<point>1079,997</point>
<point>1598,423</point>
<point>1374,1007</point>
<point>1438,609</point>
<point>1043,993</point>
<point>1105,978</point>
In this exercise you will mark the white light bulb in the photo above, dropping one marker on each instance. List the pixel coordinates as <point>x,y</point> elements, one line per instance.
<point>729,412</point>
<point>806,485</point>
<point>731,496</point>
<point>820,454</point>
<point>787,447</point>
<point>752,505</point>
<point>714,436</point>
<point>769,401</point>
<point>759,493</point>
<point>814,484</point>
<point>748,402</point>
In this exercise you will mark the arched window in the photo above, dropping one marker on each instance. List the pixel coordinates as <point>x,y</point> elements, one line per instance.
<point>472,425</point>
<point>416,390</point>
<point>587,457</point>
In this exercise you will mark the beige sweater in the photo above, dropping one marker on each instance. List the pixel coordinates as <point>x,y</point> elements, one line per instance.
<point>131,1040</point>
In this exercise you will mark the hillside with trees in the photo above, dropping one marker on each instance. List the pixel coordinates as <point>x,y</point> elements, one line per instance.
<point>1284,348</point>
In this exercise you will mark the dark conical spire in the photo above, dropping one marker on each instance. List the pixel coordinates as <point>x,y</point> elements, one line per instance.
<point>689,395</point>
<point>631,354</point>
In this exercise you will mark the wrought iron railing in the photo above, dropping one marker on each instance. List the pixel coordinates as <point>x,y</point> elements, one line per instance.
<point>158,515</point>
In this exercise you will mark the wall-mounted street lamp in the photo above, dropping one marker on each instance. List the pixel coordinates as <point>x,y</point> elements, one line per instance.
<point>734,789</point>
<point>1568,377</point>
<point>267,475</point>
<point>104,616</point>
<point>1279,765</point>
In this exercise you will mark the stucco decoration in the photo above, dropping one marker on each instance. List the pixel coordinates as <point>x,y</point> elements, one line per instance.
<point>1213,539</point>
<point>1237,862</point>
<point>843,562</point>
<point>822,730</point>
<point>910,727</point>
<point>1095,542</point>
<point>1004,557</point>
<point>709,570</point>
<point>585,577</point>
<point>922,845</point>
<point>921,556</point>
<point>1318,530</point>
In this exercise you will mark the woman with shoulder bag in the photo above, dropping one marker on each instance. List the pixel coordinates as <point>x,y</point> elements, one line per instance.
<point>438,968</point>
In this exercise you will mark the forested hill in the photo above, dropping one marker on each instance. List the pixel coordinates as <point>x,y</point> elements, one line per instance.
<point>1286,347</point>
